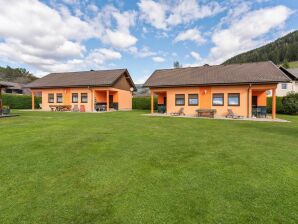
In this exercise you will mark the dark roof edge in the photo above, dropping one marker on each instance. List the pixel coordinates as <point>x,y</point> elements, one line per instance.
<point>288,74</point>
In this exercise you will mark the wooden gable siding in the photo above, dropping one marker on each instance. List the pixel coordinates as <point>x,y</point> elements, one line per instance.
<point>122,83</point>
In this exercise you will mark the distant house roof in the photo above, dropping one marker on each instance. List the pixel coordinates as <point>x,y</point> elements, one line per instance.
<point>294,72</point>
<point>13,85</point>
<point>247,73</point>
<point>102,78</point>
<point>5,84</point>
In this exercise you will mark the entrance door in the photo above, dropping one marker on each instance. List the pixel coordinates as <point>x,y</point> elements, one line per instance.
<point>111,97</point>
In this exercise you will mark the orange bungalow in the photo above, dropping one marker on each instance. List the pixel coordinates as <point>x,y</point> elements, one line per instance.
<point>89,91</point>
<point>240,88</point>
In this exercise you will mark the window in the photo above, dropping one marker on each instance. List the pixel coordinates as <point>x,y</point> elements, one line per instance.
<point>218,99</point>
<point>75,97</point>
<point>51,98</point>
<point>234,99</point>
<point>59,98</point>
<point>284,85</point>
<point>84,97</point>
<point>193,100</point>
<point>180,99</point>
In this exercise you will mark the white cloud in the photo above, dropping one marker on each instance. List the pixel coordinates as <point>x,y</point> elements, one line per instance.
<point>153,13</point>
<point>196,56</point>
<point>158,59</point>
<point>39,35</point>
<point>119,39</point>
<point>121,36</point>
<point>247,32</point>
<point>92,7</point>
<point>190,34</point>
<point>141,53</point>
<point>51,39</point>
<point>163,15</point>
<point>186,11</point>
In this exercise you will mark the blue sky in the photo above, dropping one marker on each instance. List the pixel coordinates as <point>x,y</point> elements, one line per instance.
<point>144,35</point>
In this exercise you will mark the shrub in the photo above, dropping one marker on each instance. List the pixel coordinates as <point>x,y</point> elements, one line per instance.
<point>278,104</point>
<point>143,103</point>
<point>290,103</point>
<point>15,101</point>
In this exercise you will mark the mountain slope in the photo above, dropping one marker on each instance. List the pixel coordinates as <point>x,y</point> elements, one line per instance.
<point>283,49</point>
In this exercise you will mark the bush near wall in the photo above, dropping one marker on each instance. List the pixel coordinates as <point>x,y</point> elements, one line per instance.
<point>279,108</point>
<point>15,101</point>
<point>143,103</point>
<point>290,103</point>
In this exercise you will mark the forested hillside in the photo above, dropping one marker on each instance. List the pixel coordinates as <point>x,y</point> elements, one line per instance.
<point>282,50</point>
<point>19,75</point>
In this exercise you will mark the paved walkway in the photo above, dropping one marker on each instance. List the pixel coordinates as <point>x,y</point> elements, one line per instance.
<point>269,119</point>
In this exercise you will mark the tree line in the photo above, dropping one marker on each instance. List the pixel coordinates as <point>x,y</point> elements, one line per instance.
<point>20,75</point>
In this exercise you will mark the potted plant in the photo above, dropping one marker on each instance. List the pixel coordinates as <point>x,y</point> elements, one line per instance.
<point>5,109</point>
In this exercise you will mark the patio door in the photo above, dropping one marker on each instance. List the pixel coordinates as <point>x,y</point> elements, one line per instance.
<point>254,101</point>
<point>254,105</point>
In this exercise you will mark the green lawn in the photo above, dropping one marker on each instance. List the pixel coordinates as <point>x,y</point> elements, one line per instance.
<point>123,167</point>
<point>293,64</point>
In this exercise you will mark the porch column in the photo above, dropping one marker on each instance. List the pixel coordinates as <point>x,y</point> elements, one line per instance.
<point>32,98</point>
<point>249,111</point>
<point>92,100</point>
<point>273,103</point>
<point>152,102</point>
<point>108,100</point>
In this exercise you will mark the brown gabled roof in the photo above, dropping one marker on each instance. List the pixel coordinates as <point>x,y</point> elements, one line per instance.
<point>101,78</point>
<point>259,72</point>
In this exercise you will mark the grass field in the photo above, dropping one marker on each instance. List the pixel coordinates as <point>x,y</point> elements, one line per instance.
<point>123,167</point>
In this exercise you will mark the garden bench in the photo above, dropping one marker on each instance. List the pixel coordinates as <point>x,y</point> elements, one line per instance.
<point>206,112</point>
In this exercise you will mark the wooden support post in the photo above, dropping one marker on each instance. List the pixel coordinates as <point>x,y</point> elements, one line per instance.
<point>273,103</point>
<point>92,100</point>
<point>152,102</point>
<point>249,109</point>
<point>108,100</point>
<point>33,103</point>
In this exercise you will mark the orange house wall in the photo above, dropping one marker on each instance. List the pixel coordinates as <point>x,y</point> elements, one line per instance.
<point>123,97</point>
<point>205,98</point>
<point>125,100</point>
<point>160,98</point>
<point>262,97</point>
<point>240,110</point>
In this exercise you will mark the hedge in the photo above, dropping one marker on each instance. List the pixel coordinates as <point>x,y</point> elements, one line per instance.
<point>279,108</point>
<point>143,103</point>
<point>15,101</point>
